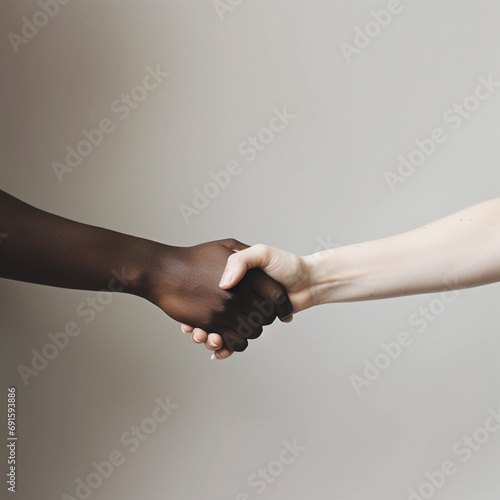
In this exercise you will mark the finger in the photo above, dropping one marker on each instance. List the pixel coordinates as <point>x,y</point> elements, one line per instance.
<point>187,328</point>
<point>275,300</point>
<point>239,263</point>
<point>214,342</point>
<point>288,320</point>
<point>233,341</point>
<point>235,245</point>
<point>249,326</point>
<point>261,314</point>
<point>254,332</point>
<point>284,310</point>
<point>199,336</point>
<point>222,354</point>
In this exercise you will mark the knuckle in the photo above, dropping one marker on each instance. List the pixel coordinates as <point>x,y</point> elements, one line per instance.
<point>257,333</point>
<point>240,346</point>
<point>219,309</point>
<point>279,296</point>
<point>263,250</point>
<point>232,243</point>
<point>235,344</point>
<point>268,319</point>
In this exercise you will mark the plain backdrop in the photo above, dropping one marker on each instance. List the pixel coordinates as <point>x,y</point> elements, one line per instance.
<point>319,183</point>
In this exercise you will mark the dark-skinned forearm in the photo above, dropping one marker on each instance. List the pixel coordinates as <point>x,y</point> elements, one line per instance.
<point>47,249</point>
<point>182,281</point>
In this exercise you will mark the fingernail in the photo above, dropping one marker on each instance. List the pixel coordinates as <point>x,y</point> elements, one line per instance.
<point>226,278</point>
<point>182,329</point>
<point>213,356</point>
<point>196,339</point>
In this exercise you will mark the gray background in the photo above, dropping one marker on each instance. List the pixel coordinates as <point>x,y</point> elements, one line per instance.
<point>320,180</point>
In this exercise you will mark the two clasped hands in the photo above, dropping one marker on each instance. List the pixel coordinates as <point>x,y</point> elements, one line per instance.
<point>224,292</point>
<point>459,251</point>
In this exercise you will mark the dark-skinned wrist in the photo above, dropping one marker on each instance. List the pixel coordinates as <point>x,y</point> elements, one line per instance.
<point>144,261</point>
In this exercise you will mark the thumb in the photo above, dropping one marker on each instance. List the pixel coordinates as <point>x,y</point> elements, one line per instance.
<point>240,262</point>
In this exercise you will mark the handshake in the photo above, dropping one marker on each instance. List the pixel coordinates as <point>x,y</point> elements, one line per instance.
<point>224,292</point>
<point>231,291</point>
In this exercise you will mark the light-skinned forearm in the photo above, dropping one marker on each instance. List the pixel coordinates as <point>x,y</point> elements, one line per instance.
<point>458,251</point>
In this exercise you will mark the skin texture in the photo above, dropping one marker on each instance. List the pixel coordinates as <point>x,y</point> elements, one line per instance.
<point>50,250</point>
<point>458,251</point>
<point>185,285</point>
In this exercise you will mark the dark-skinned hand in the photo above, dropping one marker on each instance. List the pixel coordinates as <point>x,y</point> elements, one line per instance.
<point>186,286</point>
